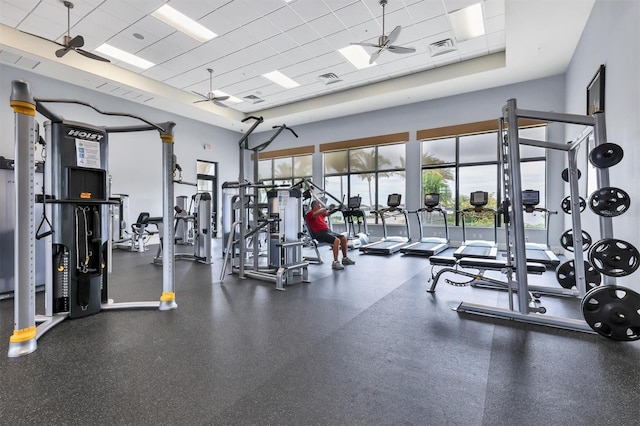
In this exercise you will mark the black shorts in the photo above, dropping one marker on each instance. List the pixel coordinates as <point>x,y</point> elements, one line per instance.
<point>326,236</point>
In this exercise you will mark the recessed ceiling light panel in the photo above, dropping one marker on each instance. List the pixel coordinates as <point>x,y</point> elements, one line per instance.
<point>358,57</point>
<point>281,79</point>
<point>467,22</point>
<point>123,56</point>
<point>183,23</point>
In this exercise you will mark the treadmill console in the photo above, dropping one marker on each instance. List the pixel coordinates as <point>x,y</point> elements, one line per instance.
<point>431,200</point>
<point>479,198</point>
<point>393,200</point>
<point>354,202</point>
<point>530,199</point>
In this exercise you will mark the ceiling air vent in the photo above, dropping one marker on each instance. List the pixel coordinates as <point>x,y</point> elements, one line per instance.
<point>253,99</point>
<point>329,78</point>
<point>441,47</point>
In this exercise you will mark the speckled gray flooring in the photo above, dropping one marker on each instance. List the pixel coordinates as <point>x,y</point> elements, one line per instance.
<point>363,346</point>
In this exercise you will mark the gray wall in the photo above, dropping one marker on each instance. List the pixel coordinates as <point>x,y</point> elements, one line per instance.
<point>612,37</point>
<point>135,159</point>
<point>544,94</point>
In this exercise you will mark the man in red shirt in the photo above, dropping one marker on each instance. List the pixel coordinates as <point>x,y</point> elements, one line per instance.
<point>320,231</point>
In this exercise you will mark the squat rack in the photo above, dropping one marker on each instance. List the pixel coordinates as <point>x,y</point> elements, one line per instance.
<point>514,218</point>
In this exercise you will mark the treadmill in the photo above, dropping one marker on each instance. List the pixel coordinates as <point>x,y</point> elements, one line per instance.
<point>481,249</point>
<point>354,215</point>
<point>540,253</point>
<point>429,246</point>
<point>389,245</point>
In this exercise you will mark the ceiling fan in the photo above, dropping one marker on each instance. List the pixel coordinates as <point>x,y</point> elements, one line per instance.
<point>74,43</point>
<point>211,97</point>
<point>385,42</point>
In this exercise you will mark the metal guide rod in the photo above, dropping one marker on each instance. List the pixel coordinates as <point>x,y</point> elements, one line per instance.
<point>576,224</point>
<point>517,216</point>
<point>23,340</point>
<point>602,175</point>
<point>167,300</point>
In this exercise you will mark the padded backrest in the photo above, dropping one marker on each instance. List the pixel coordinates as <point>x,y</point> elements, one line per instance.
<point>143,218</point>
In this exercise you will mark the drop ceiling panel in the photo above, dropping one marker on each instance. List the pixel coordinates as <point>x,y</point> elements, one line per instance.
<point>303,34</point>
<point>281,42</point>
<point>300,38</point>
<point>194,9</point>
<point>423,11</point>
<point>262,28</point>
<point>326,25</point>
<point>242,38</point>
<point>217,22</point>
<point>284,19</point>
<point>261,7</point>
<point>433,26</point>
<point>151,27</point>
<point>124,9</point>
<point>494,24</point>
<point>493,8</point>
<point>339,40</point>
<point>354,14</point>
<point>318,47</point>
<point>310,10</point>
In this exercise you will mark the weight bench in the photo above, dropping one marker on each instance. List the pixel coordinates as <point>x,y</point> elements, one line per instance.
<point>478,279</point>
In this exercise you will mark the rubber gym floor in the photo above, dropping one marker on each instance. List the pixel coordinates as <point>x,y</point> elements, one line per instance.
<point>363,346</point>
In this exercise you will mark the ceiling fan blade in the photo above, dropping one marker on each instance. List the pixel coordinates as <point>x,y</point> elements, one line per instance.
<point>92,55</point>
<point>200,94</point>
<point>393,36</point>
<point>374,56</point>
<point>221,98</point>
<point>61,52</point>
<point>366,44</point>
<point>220,104</point>
<point>400,49</point>
<point>77,41</point>
<point>202,100</point>
<point>43,38</point>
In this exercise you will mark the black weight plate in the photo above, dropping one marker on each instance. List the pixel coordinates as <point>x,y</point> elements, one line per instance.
<point>613,312</point>
<point>606,155</point>
<point>566,204</point>
<point>565,174</point>
<point>566,275</point>
<point>615,258</point>
<point>609,201</point>
<point>566,240</point>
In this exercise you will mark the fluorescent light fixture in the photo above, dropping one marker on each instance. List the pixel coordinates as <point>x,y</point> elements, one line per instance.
<point>232,99</point>
<point>357,56</point>
<point>183,23</point>
<point>281,79</point>
<point>467,22</point>
<point>123,56</point>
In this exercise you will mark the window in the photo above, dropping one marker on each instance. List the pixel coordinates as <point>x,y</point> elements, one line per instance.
<point>455,167</point>
<point>284,171</point>
<point>372,172</point>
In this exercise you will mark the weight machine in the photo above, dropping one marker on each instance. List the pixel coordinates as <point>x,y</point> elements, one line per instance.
<point>76,199</point>
<point>282,225</point>
<point>191,228</point>
<point>429,246</point>
<point>608,309</point>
